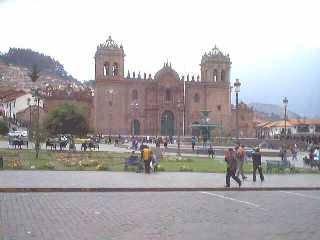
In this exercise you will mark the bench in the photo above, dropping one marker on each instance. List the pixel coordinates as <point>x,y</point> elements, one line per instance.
<point>280,165</point>
<point>133,161</point>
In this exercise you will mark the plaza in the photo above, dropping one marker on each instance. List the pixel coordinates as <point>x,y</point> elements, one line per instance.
<point>187,215</point>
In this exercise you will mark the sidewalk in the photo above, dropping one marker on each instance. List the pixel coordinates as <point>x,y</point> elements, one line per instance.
<point>161,180</point>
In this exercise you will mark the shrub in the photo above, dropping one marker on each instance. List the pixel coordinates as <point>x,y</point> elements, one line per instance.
<point>102,167</point>
<point>3,128</point>
<point>89,163</point>
<point>185,168</point>
<point>15,164</point>
<point>49,166</point>
<point>69,163</point>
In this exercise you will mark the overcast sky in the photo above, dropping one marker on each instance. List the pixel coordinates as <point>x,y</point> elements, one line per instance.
<point>154,31</point>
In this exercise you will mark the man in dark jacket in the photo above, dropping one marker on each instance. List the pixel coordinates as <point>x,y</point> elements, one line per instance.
<point>256,158</point>
<point>230,158</point>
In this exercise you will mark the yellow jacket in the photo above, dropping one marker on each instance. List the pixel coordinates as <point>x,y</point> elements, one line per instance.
<point>146,154</point>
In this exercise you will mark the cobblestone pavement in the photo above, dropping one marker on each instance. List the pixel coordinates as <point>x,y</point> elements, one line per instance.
<point>183,215</point>
<point>87,179</point>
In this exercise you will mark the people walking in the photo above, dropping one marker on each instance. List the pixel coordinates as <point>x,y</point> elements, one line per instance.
<point>211,152</point>
<point>283,153</point>
<point>256,158</point>
<point>165,144</point>
<point>230,158</point>
<point>193,142</point>
<point>294,151</point>
<point>240,156</point>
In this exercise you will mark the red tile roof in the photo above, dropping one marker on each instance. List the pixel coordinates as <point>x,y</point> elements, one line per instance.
<point>289,123</point>
<point>9,95</point>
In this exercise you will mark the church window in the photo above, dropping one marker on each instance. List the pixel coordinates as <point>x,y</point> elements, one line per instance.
<point>115,69</point>
<point>168,95</point>
<point>106,69</point>
<point>196,98</point>
<point>134,94</point>
<point>215,75</point>
<point>219,107</point>
<point>223,75</point>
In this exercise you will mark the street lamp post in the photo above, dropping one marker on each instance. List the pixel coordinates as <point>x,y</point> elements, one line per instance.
<point>180,105</point>
<point>29,105</point>
<point>166,132</point>
<point>37,97</point>
<point>135,107</point>
<point>285,103</point>
<point>110,92</point>
<point>9,114</point>
<point>237,85</point>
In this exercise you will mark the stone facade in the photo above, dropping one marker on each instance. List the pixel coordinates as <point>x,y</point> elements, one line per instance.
<point>29,116</point>
<point>160,105</point>
<point>246,121</point>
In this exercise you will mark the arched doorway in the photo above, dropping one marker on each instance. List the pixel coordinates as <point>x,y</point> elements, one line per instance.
<point>135,127</point>
<point>167,123</point>
<point>195,131</point>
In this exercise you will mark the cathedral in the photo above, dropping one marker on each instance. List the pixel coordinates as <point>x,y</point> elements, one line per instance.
<point>165,104</point>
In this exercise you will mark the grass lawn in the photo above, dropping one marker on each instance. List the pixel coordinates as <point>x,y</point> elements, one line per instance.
<point>92,161</point>
<point>3,138</point>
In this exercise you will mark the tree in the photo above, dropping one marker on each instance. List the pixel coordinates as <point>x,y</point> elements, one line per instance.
<point>4,129</point>
<point>67,119</point>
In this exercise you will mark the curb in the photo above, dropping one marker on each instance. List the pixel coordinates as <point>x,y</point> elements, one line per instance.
<point>152,189</point>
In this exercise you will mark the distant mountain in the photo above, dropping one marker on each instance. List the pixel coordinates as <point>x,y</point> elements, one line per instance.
<point>16,66</point>
<point>295,76</point>
<point>90,83</point>
<point>28,58</point>
<point>271,112</point>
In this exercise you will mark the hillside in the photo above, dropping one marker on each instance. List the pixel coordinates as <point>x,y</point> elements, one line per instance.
<point>271,112</point>
<point>27,58</point>
<point>16,65</point>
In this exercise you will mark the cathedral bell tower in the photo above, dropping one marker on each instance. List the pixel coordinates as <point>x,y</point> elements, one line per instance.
<point>109,61</point>
<point>215,66</point>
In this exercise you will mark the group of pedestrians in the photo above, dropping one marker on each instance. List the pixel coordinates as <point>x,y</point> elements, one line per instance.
<point>150,159</point>
<point>235,158</point>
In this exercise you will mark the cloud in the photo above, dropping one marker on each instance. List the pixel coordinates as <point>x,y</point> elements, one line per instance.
<point>4,1</point>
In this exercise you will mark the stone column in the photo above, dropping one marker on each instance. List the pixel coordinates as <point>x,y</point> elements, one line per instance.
<point>219,75</point>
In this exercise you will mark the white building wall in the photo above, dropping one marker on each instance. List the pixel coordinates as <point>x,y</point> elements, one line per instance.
<point>19,104</point>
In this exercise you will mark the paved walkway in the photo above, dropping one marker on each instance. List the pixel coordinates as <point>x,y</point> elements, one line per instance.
<point>152,215</point>
<point>90,179</point>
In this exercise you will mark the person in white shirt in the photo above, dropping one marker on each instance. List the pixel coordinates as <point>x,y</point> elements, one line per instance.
<point>316,154</point>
